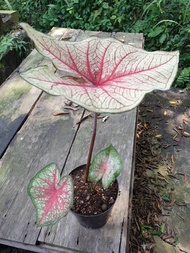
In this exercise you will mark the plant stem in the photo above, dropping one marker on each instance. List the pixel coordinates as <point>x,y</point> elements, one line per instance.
<point>91,148</point>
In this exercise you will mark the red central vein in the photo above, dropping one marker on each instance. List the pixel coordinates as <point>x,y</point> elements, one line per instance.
<point>102,62</point>
<point>90,77</point>
<point>117,65</point>
<point>134,73</point>
<point>55,57</point>
<point>88,63</point>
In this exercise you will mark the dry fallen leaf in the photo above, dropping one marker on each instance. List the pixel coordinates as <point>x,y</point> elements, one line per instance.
<point>105,119</point>
<point>186,134</point>
<point>176,138</point>
<point>174,102</point>
<point>159,136</point>
<point>166,146</point>
<point>172,159</point>
<point>120,39</point>
<point>179,127</point>
<point>71,108</point>
<point>186,114</point>
<point>59,113</point>
<point>149,110</point>
<point>175,129</point>
<point>185,178</point>
<point>185,121</point>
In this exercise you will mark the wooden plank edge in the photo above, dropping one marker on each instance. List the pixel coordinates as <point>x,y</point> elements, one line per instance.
<point>22,119</point>
<point>58,249</point>
<point>131,187</point>
<point>38,248</point>
<point>18,245</point>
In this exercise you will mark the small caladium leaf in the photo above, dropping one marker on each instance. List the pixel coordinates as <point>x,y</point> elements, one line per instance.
<point>51,196</point>
<point>106,165</point>
<point>103,75</point>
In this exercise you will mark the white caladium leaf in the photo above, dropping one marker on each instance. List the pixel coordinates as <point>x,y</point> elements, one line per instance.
<point>104,75</point>
<point>106,165</point>
<point>51,196</point>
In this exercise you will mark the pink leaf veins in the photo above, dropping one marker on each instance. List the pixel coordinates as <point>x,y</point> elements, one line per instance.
<point>51,196</point>
<point>106,165</point>
<point>102,75</point>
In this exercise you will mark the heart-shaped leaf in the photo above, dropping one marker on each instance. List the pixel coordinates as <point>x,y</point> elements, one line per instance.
<point>103,75</point>
<point>106,165</point>
<point>51,196</point>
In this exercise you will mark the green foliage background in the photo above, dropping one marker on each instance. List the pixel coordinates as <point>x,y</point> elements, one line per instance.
<point>9,43</point>
<point>164,23</point>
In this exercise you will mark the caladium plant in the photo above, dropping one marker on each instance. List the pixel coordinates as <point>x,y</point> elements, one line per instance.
<point>106,166</point>
<point>51,195</point>
<point>103,76</point>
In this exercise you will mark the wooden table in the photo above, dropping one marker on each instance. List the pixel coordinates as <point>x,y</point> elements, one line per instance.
<point>31,137</point>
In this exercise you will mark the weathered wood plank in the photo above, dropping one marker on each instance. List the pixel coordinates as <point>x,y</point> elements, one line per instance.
<point>133,39</point>
<point>26,247</point>
<point>44,138</point>
<point>18,161</point>
<point>16,100</point>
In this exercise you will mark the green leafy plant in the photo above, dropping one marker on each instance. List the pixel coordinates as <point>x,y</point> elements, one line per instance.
<point>183,78</point>
<point>147,228</point>
<point>105,169</point>
<point>9,43</point>
<point>166,27</point>
<point>6,4</point>
<point>6,44</point>
<point>101,75</point>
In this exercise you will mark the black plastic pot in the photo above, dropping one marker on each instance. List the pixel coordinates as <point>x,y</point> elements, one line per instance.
<point>93,221</point>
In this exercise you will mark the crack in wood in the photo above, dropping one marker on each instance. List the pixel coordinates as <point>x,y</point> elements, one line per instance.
<point>82,115</point>
<point>122,224</point>
<point>23,119</point>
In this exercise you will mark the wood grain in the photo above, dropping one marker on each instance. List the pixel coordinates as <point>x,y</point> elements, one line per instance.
<point>17,98</point>
<point>44,138</point>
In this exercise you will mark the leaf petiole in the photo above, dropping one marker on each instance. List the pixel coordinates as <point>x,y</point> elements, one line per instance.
<point>91,148</point>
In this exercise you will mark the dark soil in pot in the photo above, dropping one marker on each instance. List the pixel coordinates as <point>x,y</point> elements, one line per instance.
<point>90,198</point>
<point>91,201</point>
